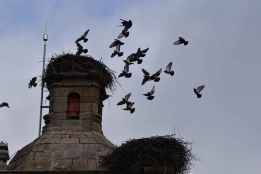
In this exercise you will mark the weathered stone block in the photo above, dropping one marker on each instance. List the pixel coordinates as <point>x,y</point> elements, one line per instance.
<point>89,99</point>
<point>92,164</point>
<point>72,152</point>
<point>63,164</point>
<point>89,140</point>
<point>69,140</point>
<point>60,107</point>
<point>91,91</point>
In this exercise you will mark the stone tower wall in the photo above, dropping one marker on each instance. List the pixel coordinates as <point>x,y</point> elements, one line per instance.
<point>90,116</point>
<point>72,138</point>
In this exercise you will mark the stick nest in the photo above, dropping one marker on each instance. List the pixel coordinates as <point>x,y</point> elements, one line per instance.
<point>70,65</point>
<point>161,151</point>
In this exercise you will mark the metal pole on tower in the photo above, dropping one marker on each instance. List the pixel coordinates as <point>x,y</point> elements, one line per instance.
<point>45,39</point>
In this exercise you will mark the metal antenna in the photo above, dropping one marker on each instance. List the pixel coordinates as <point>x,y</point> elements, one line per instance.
<point>45,39</point>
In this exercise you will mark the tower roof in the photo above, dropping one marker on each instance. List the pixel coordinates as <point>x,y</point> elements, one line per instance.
<point>63,151</point>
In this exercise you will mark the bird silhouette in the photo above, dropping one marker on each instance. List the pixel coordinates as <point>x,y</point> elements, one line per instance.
<point>128,62</point>
<point>32,82</point>
<point>132,58</point>
<point>180,41</point>
<point>4,104</point>
<point>142,53</point>
<point>129,104</point>
<point>117,44</point>
<point>125,73</point>
<point>130,107</point>
<point>136,57</point>
<point>125,99</point>
<point>83,37</point>
<point>117,52</point>
<point>80,49</point>
<point>147,77</point>
<point>124,33</point>
<point>168,69</point>
<point>149,94</point>
<point>198,90</point>
<point>127,25</point>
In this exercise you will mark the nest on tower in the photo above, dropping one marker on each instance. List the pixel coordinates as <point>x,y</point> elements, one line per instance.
<point>85,67</point>
<point>165,152</point>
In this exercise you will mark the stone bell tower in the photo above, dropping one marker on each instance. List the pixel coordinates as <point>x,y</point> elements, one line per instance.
<point>72,137</point>
<point>77,89</point>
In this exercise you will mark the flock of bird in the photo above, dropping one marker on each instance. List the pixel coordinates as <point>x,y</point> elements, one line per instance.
<point>137,58</point>
<point>130,60</point>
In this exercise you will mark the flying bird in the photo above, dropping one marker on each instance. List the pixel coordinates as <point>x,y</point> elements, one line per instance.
<point>129,104</point>
<point>147,77</point>
<point>136,57</point>
<point>32,82</point>
<point>142,53</point>
<point>124,33</point>
<point>130,107</point>
<point>125,72</point>
<point>198,90</point>
<point>83,37</point>
<point>180,41</point>
<point>80,49</point>
<point>127,25</point>
<point>132,58</point>
<point>4,104</point>
<point>149,94</point>
<point>127,61</point>
<point>125,99</point>
<point>168,69</point>
<point>117,51</point>
<point>117,44</point>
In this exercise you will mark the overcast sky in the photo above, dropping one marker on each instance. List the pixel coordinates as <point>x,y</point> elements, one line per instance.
<point>224,54</point>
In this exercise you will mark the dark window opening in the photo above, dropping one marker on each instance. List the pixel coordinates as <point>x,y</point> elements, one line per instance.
<point>73,106</point>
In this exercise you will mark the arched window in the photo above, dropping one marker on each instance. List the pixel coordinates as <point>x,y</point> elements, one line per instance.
<point>73,106</point>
